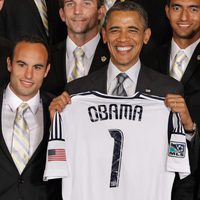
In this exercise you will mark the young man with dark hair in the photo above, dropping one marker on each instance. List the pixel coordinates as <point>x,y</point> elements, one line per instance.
<point>25,124</point>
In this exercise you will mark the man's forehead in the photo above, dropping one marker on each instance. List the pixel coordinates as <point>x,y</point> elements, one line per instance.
<point>186,2</point>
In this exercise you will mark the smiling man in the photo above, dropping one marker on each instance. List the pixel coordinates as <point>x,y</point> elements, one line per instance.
<point>25,124</point>
<point>180,58</point>
<point>82,19</point>
<point>125,31</point>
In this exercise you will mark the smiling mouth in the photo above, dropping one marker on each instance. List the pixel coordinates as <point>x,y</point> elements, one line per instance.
<point>122,49</point>
<point>78,20</point>
<point>183,25</point>
<point>26,83</point>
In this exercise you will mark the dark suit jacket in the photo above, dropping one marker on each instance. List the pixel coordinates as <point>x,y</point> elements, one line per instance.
<point>29,185</point>
<point>22,17</point>
<point>5,48</point>
<point>56,79</point>
<point>191,81</point>
<point>149,81</point>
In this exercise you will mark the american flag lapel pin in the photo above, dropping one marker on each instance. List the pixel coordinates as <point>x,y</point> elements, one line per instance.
<point>147,90</point>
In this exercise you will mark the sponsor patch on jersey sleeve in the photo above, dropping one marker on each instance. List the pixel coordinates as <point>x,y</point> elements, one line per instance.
<point>177,149</point>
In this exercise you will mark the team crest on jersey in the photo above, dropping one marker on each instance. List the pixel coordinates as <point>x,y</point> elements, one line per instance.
<point>177,149</point>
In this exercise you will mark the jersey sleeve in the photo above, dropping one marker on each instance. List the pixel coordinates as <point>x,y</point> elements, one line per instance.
<point>56,159</point>
<point>178,159</point>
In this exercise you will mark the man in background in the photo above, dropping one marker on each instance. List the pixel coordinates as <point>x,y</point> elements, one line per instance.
<point>34,17</point>
<point>83,51</point>
<point>180,58</point>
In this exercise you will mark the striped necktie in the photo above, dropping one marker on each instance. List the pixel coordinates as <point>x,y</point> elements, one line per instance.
<point>78,70</point>
<point>21,138</point>
<point>42,8</point>
<point>119,89</point>
<point>176,71</point>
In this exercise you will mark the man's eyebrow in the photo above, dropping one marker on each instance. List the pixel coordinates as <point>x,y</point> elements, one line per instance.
<point>38,65</point>
<point>130,27</point>
<point>21,61</point>
<point>195,6</point>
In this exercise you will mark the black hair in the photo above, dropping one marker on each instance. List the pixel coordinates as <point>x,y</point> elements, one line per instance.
<point>29,39</point>
<point>128,5</point>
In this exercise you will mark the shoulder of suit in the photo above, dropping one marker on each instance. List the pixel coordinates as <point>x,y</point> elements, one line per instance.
<point>59,46</point>
<point>46,97</point>
<point>159,76</point>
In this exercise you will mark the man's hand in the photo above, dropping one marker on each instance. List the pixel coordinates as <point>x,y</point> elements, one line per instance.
<point>59,103</point>
<point>177,104</point>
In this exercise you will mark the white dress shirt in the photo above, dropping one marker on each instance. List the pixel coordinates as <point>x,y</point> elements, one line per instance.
<point>33,116</point>
<point>89,49</point>
<point>129,84</point>
<point>188,52</point>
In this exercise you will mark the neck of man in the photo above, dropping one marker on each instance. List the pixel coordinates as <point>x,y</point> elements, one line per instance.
<point>185,42</point>
<point>82,38</point>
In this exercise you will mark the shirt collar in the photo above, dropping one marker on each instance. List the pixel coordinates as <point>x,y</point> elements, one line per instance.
<point>188,50</point>
<point>132,72</point>
<point>14,101</point>
<point>88,48</point>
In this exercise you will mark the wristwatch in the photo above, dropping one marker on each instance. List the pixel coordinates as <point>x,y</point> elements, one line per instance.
<point>194,128</point>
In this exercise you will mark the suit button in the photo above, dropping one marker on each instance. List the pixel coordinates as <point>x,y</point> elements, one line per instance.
<point>20,181</point>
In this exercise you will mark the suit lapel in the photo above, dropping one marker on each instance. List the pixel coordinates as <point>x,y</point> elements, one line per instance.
<point>99,80</point>
<point>101,56</point>
<point>164,58</point>
<point>60,62</point>
<point>36,16</point>
<point>3,145</point>
<point>143,81</point>
<point>193,64</point>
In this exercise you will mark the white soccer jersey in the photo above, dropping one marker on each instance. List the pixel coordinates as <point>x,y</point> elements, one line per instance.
<point>109,148</point>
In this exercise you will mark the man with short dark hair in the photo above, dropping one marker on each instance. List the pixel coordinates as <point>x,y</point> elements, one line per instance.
<point>25,124</point>
<point>180,58</point>
<point>82,21</point>
<point>125,31</point>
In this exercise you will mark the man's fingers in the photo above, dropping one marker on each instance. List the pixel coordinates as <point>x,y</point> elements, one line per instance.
<point>59,103</point>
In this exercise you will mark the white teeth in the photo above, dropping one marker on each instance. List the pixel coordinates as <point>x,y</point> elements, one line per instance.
<point>123,48</point>
<point>184,25</point>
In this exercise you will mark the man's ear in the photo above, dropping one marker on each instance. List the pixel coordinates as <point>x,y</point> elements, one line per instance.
<point>103,31</point>
<point>62,14</point>
<point>47,70</point>
<point>9,64</point>
<point>147,35</point>
<point>101,12</point>
<point>167,11</point>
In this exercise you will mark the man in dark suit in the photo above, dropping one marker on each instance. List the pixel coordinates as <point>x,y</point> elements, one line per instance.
<point>82,23</point>
<point>23,17</point>
<point>184,17</point>
<point>186,37</point>
<point>23,141</point>
<point>125,30</point>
